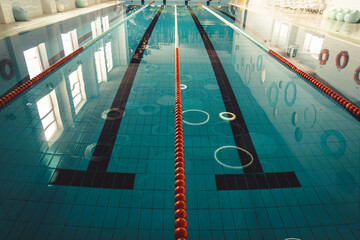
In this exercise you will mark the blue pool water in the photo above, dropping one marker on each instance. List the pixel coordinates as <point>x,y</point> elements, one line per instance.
<point>88,152</point>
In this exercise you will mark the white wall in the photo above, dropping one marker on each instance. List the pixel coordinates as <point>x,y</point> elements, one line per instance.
<point>350,4</point>
<point>33,7</point>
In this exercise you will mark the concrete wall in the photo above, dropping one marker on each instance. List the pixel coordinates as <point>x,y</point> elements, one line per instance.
<point>35,7</point>
<point>350,4</point>
<point>32,6</point>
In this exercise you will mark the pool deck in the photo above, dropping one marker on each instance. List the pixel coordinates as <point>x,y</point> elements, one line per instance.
<point>346,31</point>
<point>12,29</point>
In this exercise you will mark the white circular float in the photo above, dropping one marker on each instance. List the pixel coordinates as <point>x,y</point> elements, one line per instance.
<point>223,116</point>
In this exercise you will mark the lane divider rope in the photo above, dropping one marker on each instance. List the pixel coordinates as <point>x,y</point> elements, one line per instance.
<point>10,96</point>
<point>349,106</point>
<point>180,198</point>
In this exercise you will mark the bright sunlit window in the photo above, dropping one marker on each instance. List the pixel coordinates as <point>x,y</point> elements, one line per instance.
<point>105,22</point>
<point>50,116</point>
<point>100,65</point>
<point>280,32</point>
<point>77,89</point>
<point>283,33</point>
<point>96,27</point>
<point>36,59</point>
<point>109,59</point>
<point>312,45</point>
<point>33,61</point>
<point>70,41</point>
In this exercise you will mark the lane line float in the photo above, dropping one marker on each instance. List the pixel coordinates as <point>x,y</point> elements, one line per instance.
<point>180,232</point>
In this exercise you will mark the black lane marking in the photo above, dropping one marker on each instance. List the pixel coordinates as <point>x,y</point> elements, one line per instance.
<point>238,126</point>
<point>102,152</point>
<point>96,175</point>
<point>253,181</point>
<point>99,179</point>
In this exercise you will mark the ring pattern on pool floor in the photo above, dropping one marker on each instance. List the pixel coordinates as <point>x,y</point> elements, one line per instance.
<point>88,151</point>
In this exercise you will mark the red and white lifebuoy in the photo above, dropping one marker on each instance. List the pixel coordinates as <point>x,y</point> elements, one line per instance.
<point>357,76</point>
<point>345,55</point>
<point>3,65</point>
<point>323,59</point>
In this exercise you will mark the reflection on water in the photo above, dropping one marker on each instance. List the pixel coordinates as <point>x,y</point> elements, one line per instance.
<point>302,46</point>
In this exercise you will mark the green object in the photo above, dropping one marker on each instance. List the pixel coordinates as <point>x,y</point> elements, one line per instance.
<point>352,16</point>
<point>340,16</point>
<point>20,14</point>
<point>332,14</point>
<point>80,3</point>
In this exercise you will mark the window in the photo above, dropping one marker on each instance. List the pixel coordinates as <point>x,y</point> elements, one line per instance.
<point>48,110</point>
<point>105,22</point>
<point>109,60</point>
<point>283,33</point>
<point>70,41</point>
<point>100,65</point>
<point>96,27</point>
<point>280,32</point>
<point>77,89</point>
<point>313,45</point>
<point>36,60</point>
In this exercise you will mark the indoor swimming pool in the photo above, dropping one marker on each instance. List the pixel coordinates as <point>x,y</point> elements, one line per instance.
<point>87,152</point>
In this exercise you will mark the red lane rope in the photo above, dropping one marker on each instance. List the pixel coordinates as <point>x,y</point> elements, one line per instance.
<point>10,96</point>
<point>350,107</point>
<point>180,198</point>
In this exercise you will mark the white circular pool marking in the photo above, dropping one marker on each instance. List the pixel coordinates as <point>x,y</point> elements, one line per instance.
<point>121,113</point>
<point>183,86</point>
<point>221,115</point>
<point>234,167</point>
<point>200,123</point>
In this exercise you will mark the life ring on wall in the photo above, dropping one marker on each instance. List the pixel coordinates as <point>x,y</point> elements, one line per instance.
<point>357,76</point>
<point>3,64</point>
<point>338,58</point>
<point>326,57</point>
